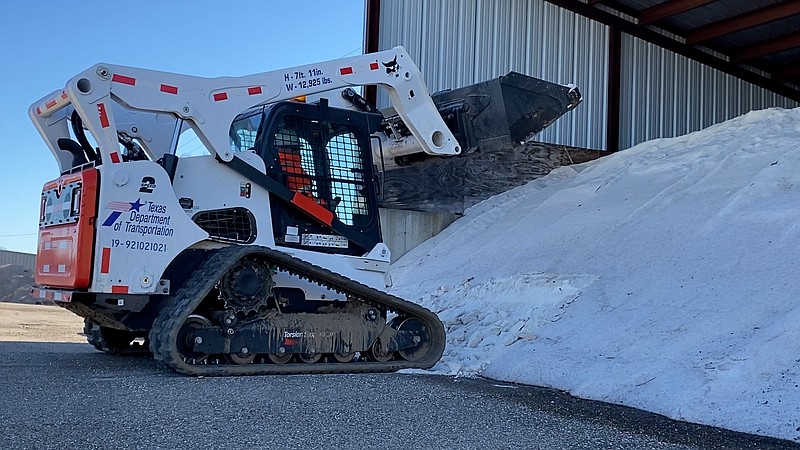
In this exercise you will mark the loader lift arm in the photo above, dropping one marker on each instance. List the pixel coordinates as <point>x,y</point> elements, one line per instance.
<point>211,104</point>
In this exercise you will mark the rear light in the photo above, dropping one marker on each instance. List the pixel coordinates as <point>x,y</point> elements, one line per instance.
<point>75,209</point>
<point>42,209</point>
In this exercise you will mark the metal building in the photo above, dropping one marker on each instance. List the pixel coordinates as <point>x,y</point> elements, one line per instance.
<point>647,68</point>
<point>26,260</point>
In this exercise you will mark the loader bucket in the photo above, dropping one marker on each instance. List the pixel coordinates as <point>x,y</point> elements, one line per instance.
<point>505,111</point>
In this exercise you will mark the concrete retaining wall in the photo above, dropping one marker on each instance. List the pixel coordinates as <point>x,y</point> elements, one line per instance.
<point>404,230</point>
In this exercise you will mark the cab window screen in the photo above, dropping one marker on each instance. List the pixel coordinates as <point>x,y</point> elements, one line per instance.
<point>325,162</point>
<point>243,132</point>
<point>347,177</point>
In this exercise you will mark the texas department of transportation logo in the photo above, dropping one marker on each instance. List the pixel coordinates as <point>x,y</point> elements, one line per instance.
<point>117,208</point>
<point>142,218</point>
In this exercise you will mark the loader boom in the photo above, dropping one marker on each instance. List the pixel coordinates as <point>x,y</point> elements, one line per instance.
<point>211,104</point>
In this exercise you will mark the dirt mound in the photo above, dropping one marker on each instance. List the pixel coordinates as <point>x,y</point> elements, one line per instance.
<point>15,285</point>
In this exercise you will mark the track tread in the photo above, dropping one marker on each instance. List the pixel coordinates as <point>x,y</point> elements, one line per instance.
<point>164,332</point>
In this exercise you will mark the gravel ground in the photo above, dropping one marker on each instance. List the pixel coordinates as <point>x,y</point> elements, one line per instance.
<point>67,395</point>
<point>39,323</point>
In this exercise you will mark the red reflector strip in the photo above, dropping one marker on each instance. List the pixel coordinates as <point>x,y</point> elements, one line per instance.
<point>50,104</point>
<point>59,296</point>
<point>220,96</point>
<point>115,157</point>
<point>105,259</point>
<point>119,289</point>
<point>308,205</point>
<point>122,79</point>
<point>169,89</point>
<point>101,108</point>
<point>63,95</point>
<point>38,111</point>
<point>373,66</point>
<point>346,70</point>
<point>254,90</point>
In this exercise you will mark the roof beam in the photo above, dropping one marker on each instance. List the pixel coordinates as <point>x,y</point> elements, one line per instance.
<point>628,27</point>
<point>769,47</point>
<point>788,72</point>
<point>743,21</point>
<point>668,9</point>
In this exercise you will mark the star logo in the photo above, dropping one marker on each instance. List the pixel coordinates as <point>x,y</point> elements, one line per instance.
<point>117,208</point>
<point>136,205</point>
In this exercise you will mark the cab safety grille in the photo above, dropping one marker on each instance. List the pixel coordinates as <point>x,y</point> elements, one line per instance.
<point>231,224</point>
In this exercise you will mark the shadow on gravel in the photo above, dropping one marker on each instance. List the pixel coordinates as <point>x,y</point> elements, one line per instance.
<point>74,360</point>
<point>635,420</point>
<point>45,347</point>
<point>34,370</point>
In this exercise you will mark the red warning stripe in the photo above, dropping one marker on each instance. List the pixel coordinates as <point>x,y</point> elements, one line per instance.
<point>373,66</point>
<point>169,89</point>
<point>50,104</point>
<point>119,289</point>
<point>346,70</point>
<point>63,95</point>
<point>220,96</point>
<point>122,79</point>
<point>101,108</point>
<point>254,90</point>
<point>115,157</point>
<point>308,205</point>
<point>105,260</point>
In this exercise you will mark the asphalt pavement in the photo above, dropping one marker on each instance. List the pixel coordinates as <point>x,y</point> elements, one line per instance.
<point>65,396</point>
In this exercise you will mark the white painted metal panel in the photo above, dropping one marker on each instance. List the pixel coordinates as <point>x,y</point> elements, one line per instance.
<point>665,94</point>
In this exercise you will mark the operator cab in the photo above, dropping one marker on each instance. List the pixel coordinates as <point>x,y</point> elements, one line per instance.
<point>322,153</point>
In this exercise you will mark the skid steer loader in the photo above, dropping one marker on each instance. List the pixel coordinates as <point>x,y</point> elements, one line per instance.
<point>229,226</point>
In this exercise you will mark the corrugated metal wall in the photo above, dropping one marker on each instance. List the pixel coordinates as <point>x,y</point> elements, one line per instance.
<point>26,260</point>
<point>665,94</point>
<point>459,42</point>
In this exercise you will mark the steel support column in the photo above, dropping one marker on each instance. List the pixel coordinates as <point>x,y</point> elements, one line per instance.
<point>371,38</point>
<point>613,91</point>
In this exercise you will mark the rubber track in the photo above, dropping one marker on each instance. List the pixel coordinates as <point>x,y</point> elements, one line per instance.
<point>164,333</point>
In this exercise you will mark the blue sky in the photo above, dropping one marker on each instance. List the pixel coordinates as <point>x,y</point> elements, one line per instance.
<point>45,43</point>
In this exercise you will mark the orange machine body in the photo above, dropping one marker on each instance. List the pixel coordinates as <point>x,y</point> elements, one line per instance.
<point>66,231</point>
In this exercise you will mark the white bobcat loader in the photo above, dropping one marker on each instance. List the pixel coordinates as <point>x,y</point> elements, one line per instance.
<point>264,253</point>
